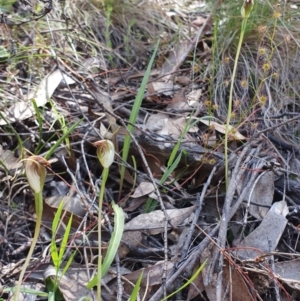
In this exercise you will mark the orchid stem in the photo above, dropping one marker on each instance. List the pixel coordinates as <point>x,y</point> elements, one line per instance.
<point>227,132</point>
<point>101,196</point>
<point>38,197</point>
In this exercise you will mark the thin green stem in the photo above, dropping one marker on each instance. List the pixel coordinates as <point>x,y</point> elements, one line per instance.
<point>39,210</point>
<point>101,196</point>
<point>243,29</point>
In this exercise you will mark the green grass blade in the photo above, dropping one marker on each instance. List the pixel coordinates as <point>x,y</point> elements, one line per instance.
<point>61,139</point>
<point>64,242</point>
<point>40,124</point>
<point>57,216</point>
<point>151,203</point>
<point>70,260</point>
<point>188,282</point>
<point>5,168</point>
<point>136,288</point>
<point>170,169</point>
<point>26,291</point>
<point>133,115</point>
<point>171,165</point>
<point>55,223</point>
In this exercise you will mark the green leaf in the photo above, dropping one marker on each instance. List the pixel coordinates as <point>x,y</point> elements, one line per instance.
<point>40,123</point>
<point>188,282</point>
<point>136,288</point>
<point>25,290</point>
<point>133,115</point>
<point>151,203</point>
<point>55,223</point>
<point>61,139</point>
<point>64,242</point>
<point>114,243</point>
<point>67,265</point>
<point>170,169</point>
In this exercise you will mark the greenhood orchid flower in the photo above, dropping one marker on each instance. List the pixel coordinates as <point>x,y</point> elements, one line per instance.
<point>246,8</point>
<point>35,170</point>
<point>105,152</point>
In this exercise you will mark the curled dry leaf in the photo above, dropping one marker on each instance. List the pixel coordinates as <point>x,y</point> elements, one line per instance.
<point>234,134</point>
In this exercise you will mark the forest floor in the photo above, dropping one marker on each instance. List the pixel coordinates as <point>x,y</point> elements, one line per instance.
<point>202,105</point>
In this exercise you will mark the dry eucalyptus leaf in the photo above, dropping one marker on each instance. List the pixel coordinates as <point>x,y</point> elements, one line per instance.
<point>209,140</point>
<point>50,207</point>
<point>24,109</point>
<point>153,273</point>
<point>152,93</point>
<point>221,128</point>
<point>239,289</point>
<point>163,125</point>
<point>166,88</point>
<point>132,239</point>
<point>288,272</point>
<point>178,102</point>
<point>262,193</point>
<point>154,221</point>
<point>175,57</point>
<point>10,161</point>
<point>158,123</point>
<point>144,188</point>
<point>112,274</point>
<point>193,97</point>
<point>262,238</point>
<point>73,284</point>
<point>72,204</point>
<point>104,98</point>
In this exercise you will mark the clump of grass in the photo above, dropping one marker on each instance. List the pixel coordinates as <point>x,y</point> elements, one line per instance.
<point>127,31</point>
<point>267,78</point>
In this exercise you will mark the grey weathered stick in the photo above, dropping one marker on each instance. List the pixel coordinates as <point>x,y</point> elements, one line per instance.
<point>224,221</point>
<point>231,212</point>
<point>189,262</point>
<point>196,215</point>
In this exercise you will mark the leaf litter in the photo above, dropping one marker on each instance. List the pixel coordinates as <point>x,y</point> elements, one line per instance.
<point>257,217</point>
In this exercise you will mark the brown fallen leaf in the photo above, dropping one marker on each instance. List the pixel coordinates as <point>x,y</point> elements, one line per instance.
<point>234,134</point>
